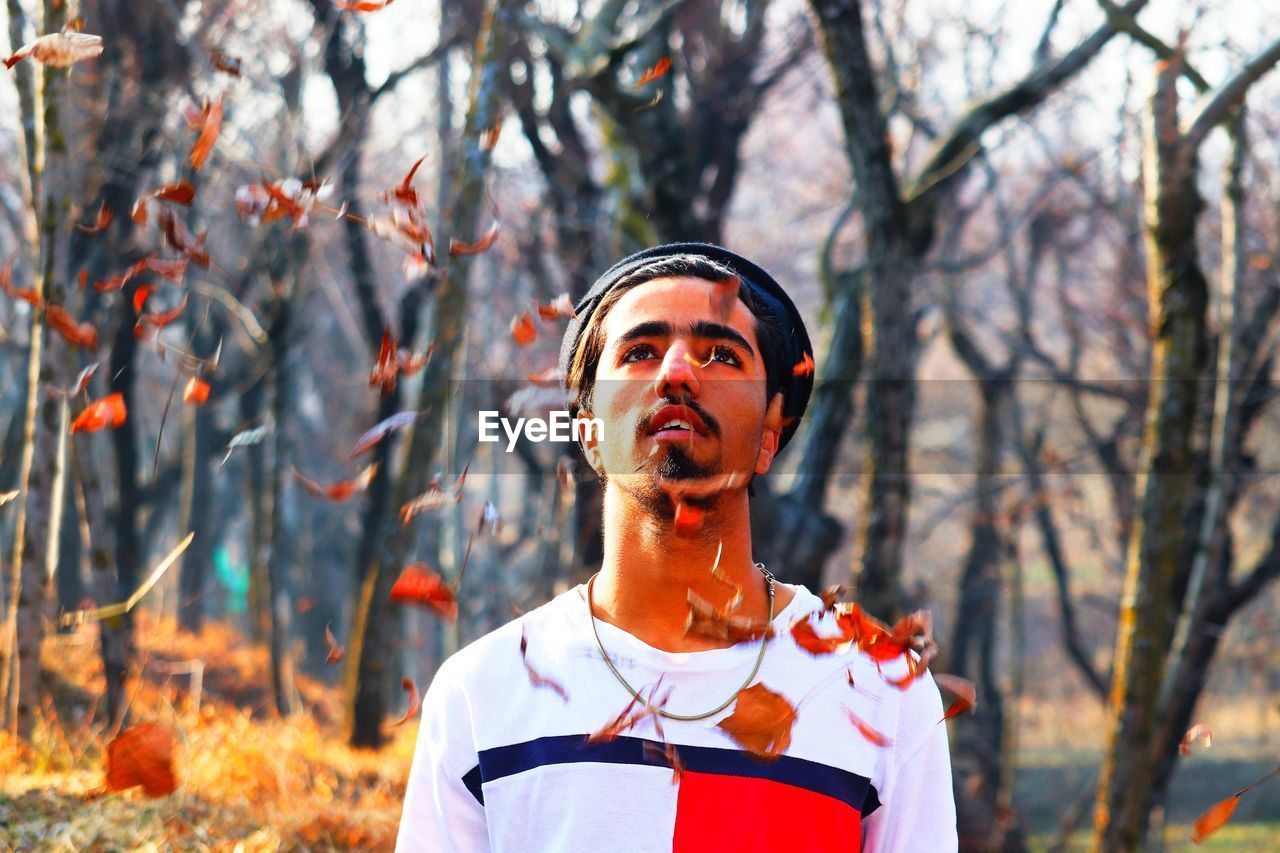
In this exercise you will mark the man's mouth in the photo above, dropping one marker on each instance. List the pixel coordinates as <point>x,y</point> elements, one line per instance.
<point>677,422</point>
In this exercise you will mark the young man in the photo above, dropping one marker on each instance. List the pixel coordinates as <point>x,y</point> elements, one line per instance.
<point>737,737</point>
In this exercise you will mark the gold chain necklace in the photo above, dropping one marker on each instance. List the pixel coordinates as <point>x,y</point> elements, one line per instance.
<point>764,643</point>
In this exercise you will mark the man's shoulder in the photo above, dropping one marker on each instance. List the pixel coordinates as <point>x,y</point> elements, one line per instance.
<point>503,649</point>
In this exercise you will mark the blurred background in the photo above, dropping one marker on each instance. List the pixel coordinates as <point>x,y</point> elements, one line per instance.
<point>1036,245</point>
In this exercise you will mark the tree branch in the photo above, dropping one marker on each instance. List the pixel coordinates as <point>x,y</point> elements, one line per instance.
<point>1127,23</point>
<point>1231,94</point>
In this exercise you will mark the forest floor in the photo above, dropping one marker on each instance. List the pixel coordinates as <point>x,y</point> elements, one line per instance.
<point>252,781</point>
<point>248,779</point>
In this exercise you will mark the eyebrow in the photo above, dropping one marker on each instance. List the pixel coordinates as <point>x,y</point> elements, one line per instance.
<point>705,329</point>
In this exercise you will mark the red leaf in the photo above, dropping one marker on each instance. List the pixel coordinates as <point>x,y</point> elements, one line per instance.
<point>707,621</point>
<point>180,237</point>
<point>418,584</point>
<point>1214,818</point>
<point>83,334</point>
<point>629,719</point>
<point>804,367</point>
<point>140,296</point>
<point>212,116</point>
<point>159,320</point>
<point>109,411</point>
<point>387,365</point>
<point>103,220</point>
<point>537,679</point>
<point>363,5</point>
<point>415,701</point>
<point>181,192</point>
<point>142,755</point>
<point>331,643</point>
<point>962,688</point>
<point>523,330</point>
<point>26,294</point>
<point>405,192</point>
<point>807,638</point>
<point>688,518</point>
<point>549,378</point>
<point>561,306</point>
<point>380,431</point>
<point>457,247</point>
<point>662,66</point>
<point>340,491</point>
<point>761,721</point>
<point>197,391</point>
<point>866,731</point>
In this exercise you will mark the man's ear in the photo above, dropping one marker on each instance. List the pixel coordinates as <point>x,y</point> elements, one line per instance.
<point>772,434</point>
<point>589,440</point>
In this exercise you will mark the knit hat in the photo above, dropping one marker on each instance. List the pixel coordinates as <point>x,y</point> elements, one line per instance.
<point>778,310</point>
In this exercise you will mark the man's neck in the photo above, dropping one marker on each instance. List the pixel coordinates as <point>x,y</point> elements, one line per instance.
<point>648,571</point>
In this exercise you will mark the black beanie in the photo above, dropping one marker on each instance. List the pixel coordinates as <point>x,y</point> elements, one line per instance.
<point>779,311</point>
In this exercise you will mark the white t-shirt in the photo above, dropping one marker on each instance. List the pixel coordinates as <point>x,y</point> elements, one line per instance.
<point>502,764</point>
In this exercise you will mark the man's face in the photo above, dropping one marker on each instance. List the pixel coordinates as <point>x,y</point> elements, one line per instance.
<point>679,342</point>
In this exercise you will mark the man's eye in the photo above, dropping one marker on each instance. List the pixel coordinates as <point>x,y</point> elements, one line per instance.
<point>641,348</point>
<point>726,351</point>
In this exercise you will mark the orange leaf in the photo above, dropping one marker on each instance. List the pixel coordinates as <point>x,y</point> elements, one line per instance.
<point>549,378</point>
<point>962,688</point>
<point>405,192</point>
<point>84,334</point>
<point>208,133</point>
<point>178,236</point>
<point>197,391</point>
<point>561,306</point>
<point>807,638</point>
<point>142,755</point>
<point>415,701</point>
<point>103,220</point>
<point>662,66</point>
<point>58,50</point>
<point>387,365</point>
<point>331,643</point>
<point>761,721</point>
<point>707,621</point>
<point>159,320</point>
<point>522,329</point>
<point>457,247</point>
<point>181,192</point>
<point>866,731</point>
<point>804,368</point>
<point>363,5</point>
<point>418,584</point>
<point>340,491</point>
<point>110,410</point>
<point>140,296</point>
<point>688,518</point>
<point>1214,818</point>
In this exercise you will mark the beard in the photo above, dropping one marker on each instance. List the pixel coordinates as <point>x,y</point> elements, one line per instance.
<point>674,463</point>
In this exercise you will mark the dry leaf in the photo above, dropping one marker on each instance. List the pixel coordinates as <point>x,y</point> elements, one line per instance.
<point>535,677</point>
<point>761,721</point>
<point>331,643</point>
<point>197,391</point>
<point>103,220</point>
<point>418,584</point>
<point>457,247</point>
<point>1198,732</point>
<point>523,330</point>
<point>340,491</point>
<point>662,66</point>
<point>381,430</point>
<point>415,701</point>
<point>962,688</point>
<point>142,755</point>
<point>109,411</point>
<point>1214,818</point>
<point>866,731</point>
<point>211,124</point>
<point>58,50</point>
<point>706,620</point>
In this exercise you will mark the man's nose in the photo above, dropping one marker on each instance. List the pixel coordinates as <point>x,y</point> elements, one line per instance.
<point>678,373</point>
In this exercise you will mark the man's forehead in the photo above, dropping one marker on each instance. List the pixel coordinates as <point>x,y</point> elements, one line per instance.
<point>680,302</point>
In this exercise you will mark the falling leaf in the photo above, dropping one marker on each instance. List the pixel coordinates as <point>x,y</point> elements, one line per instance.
<point>109,411</point>
<point>490,519</point>
<point>668,754</point>
<point>705,620</point>
<point>561,306</point>
<point>363,5</point>
<point>418,584</point>
<point>405,193</point>
<point>331,643</point>
<point>103,220</point>
<point>83,334</point>
<point>387,365</point>
<point>804,367</point>
<point>629,718</point>
<point>381,430</point>
<point>82,380</point>
<point>830,595</point>
<point>178,236</point>
<point>26,294</point>
<point>340,491</point>
<point>662,66</point>
<point>415,701</point>
<point>225,62</point>
<point>304,604</point>
<point>866,731</point>
<point>58,50</point>
<point>688,519</point>
<point>523,330</point>
<point>142,755</point>
<point>1200,732</point>
<point>962,688</point>
<point>1214,819</point>
<point>5,497</point>
<point>212,124</point>
<point>197,391</point>
<point>158,320</point>
<point>549,378</point>
<point>411,362</point>
<point>807,638</point>
<point>537,679</point>
<point>182,192</point>
<point>457,247</point>
<point>761,721</point>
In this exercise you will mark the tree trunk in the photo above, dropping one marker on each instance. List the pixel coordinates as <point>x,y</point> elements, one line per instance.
<point>371,630</point>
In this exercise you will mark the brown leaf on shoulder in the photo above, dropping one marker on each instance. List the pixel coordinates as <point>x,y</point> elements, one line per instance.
<point>706,620</point>
<point>761,722</point>
<point>535,677</point>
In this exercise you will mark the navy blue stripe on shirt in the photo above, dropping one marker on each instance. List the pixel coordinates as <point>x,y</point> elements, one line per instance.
<point>500,761</point>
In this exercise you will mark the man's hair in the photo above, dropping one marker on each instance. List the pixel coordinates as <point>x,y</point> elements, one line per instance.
<point>581,376</point>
